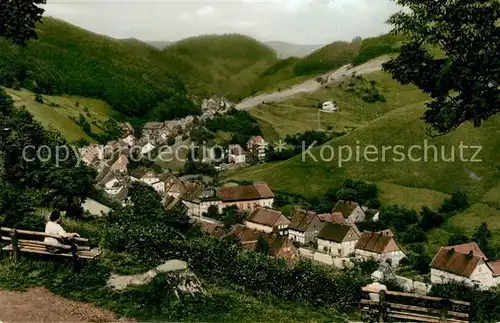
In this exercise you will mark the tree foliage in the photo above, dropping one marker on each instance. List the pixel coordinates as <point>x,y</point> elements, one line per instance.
<point>51,179</point>
<point>18,19</point>
<point>458,201</point>
<point>464,85</point>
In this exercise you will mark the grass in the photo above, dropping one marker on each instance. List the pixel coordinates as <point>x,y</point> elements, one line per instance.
<point>58,117</point>
<point>224,303</point>
<point>395,122</point>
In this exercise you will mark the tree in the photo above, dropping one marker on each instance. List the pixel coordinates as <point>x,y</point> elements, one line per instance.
<point>213,212</point>
<point>430,219</point>
<point>458,238</point>
<point>457,201</point>
<point>18,20</point>
<point>231,215</point>
<point>482,236</point>
<point>55,180</point>
<point>464,85</point>
<point>413,235</point>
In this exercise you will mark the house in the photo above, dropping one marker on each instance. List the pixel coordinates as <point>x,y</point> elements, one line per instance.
<point>336,217</point>
<point>92,154</point>
<point>329,106</point>
<point>380,246</point>
<point>236,154</point>
<point>174,186</point>
<point>337,239</point>
<point>305,226</point>
<point>199,198</point>
<point>113,186</point>
<point>257,145</point>
<point>351,211</point>
<point>147,148</point>
<point>212,229</point>
<point>129,140</point>
<point>151,179</point>
<point>273,244</point>
<point>248,197</point>
<point>464,263</point>
<point>127,129</point>
<point>267,220</point>
<point>120,165</point>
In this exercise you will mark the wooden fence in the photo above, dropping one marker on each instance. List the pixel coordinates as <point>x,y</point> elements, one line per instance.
<point>406,307</point>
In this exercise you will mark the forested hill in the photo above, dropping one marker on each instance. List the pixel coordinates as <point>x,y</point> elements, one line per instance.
<point>133,77</point>
<point>130,76</point>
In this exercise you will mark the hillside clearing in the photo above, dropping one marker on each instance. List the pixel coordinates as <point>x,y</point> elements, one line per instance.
<point>58,116</point>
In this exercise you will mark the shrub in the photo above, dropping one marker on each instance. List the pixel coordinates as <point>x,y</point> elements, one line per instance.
<point>38,98</point>
<point>458,201</point>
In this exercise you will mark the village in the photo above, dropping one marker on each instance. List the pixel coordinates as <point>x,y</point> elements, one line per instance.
<point>332,239</point>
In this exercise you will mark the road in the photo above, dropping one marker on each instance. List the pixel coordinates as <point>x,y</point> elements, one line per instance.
<point>311,85</point>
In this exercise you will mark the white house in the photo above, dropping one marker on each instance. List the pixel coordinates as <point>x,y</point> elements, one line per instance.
<point>147,148</point>
<point>247,197</point>
<point>197,198</point>
<point>258,146</point>
<point>329,106</point>
<point>464,263</point>
<point>305,226</point>
<point>337,239</point>
<point>149,178</point>
<point>351,211</point>
<point>236,154</point>
<point>380,246</point>
<point>267,220</point>
<point>129,140</point>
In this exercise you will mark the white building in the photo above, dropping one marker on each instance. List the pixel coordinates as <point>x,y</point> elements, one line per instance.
<point>236,154</point>
<point>380,246</point>
<point>338,240</point>
<point>147,148</point>
<point>305,226</point>
<point>267,220</point>
<point>247,197</point>
<point>129,140</point>
<point>258,146</point>
<point>464,263</point>
<point>329,106</point>
<point>351,211</point>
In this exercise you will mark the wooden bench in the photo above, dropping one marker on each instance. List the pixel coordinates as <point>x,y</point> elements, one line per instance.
<point>408,307</point>
<point>32,242</point>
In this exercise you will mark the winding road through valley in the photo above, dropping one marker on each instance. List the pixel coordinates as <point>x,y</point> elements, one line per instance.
<point>312,85</point>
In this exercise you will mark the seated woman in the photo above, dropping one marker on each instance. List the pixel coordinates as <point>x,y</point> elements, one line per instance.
<point>54,228</point>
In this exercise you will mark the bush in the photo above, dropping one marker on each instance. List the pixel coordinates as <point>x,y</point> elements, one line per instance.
<point>458,238</point>
<point>38,98</point>
<point>430,219</point>
<point>458,201</point>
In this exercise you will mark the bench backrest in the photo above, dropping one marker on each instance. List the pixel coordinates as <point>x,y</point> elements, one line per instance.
<point>407,306</point>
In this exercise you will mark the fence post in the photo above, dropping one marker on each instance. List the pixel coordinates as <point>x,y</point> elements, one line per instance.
<point>15,245</point>
<point>74,253</point>
<point>381,306</point>
<point>443,311</point>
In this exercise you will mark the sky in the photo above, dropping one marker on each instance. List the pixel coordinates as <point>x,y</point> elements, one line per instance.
<point>296,21</point>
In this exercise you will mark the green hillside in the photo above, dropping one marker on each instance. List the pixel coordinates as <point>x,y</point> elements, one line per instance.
<point>374,47</point>
<point>56,111</point>
<point>395,122</point>
<point>224,64</point>
<point>130,76</point>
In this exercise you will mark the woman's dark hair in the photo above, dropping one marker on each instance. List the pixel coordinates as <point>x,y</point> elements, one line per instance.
<point>54,216</point>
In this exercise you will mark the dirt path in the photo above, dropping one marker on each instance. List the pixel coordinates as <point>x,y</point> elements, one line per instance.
<point>40,305</point>
<point>312,85</point>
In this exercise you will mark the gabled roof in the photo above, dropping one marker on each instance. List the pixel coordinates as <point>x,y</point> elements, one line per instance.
<point>191,191</point>
<point>256,140</point>
<point>467,247</point>
<point>267,217</point>
<point>212,229</point>
<point>376,242</point>
<point>153,125</point>
<point>345,207</point>
<point>495,267</point>
<point>458,263</point>
<point>334,232</point>
<point>244,193</point>
<point>301,220</point>
<point>336,217</point>
<point>236,150</point>
<point>150,175</point>
<point>120,164</point>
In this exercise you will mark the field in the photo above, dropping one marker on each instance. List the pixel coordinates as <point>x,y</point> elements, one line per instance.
<point>424,181</point>
<point>58,116</point>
